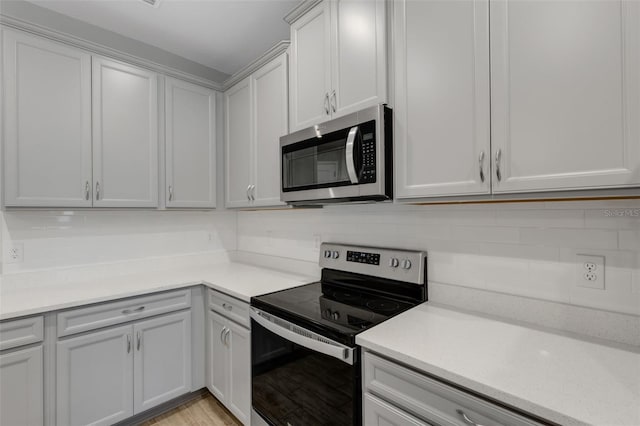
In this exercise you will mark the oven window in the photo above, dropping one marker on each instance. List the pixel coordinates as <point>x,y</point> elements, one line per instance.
<point>294,386</point>
<point>314,165</point>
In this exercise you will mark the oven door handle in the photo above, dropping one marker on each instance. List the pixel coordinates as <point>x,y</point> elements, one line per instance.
<point>302,337</point>
<point>350,159</point>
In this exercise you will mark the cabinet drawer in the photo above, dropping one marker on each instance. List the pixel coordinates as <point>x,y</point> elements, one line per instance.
<point>431,400</point>
<point>97,316</point>
<point>230,307</point>
<point>24,331</point>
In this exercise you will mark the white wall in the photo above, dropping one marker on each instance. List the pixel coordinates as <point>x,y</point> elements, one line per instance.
<point>58,239</point>
<point>480,250</point>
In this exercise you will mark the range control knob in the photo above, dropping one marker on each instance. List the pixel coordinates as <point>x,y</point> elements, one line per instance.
<point>406,264</point>
<point>335,254</point>
<point>327,254</point>
<point>394,262</point>
<point>327,312</point>
<point>335,315</point>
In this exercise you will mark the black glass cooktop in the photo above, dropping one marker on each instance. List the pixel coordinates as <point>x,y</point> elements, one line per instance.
<point>333,309</point>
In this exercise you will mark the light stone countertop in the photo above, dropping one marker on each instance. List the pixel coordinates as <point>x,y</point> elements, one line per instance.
<point>564,379</point>
<point>238,280</point>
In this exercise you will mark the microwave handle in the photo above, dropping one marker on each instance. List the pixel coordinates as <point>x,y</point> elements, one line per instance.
<point>351,162</point>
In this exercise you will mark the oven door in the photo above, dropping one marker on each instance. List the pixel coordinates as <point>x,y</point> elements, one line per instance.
<point>300,378</point>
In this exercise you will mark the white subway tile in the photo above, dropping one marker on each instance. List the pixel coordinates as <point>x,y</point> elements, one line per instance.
<point>579,238</point>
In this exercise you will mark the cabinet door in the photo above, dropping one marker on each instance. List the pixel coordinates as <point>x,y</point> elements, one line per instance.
<point>162,360</point>
<point>442,133</point>
<point>310,68</point>
<point>238,143</point>
<point>379,413</point>
<point>125,135</point>
<point>22,387</point>
<point>359,55</point>
<point>239,347</point>
<point>565,94</point>
<point>270,121</point>
<point>94,378</point>
<point>217,356</point>
<point>47,131</point>
<point>190,145</point>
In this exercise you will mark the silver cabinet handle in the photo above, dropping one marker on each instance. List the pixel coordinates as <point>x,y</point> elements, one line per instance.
<point>87,188</point>
<point>248,189</point>
<point>170,193</point>
<point>326,104</point>
<point>138,340</point>
<point>467,419</point>
<point>224,329</point>
<point>481,161</point>
<point>252,192</point>
<point>227,307</point>
<point>97,191</point>
<point>498,172</point>
<point>334,101</point>
<point>128,343</point>
<point>133,311</point>
<point>226,337</point>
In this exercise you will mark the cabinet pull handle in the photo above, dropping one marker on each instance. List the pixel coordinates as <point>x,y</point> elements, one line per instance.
<point>226,337</point>
<point>227,307</point>
<point>467,419</point>
<point>128,343</point>
<point>87,188</point>
<point>133,311</point>
<point>97,191</point>
<point>334,101</point>
<point>481,161</point>
<point>170,193</point>
<point>498,172</point>
<point>138,340</point>
<point>326,104</point>
<point>248,189</point>
<point>252,192</point>
<point>222,334</point>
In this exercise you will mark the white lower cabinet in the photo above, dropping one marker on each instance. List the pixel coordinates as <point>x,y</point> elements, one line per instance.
<point>22,387</point>
<point>229,361</point>
<point>109,375</point>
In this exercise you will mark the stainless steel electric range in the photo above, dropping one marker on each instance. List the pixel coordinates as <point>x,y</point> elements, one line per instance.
<point>305,363</point>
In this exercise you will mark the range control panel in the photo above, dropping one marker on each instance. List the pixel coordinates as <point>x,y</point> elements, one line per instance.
<point>396,264</point>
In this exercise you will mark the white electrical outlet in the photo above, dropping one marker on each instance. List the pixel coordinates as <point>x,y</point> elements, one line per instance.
<point>590,271</point>
<point>15,253</point>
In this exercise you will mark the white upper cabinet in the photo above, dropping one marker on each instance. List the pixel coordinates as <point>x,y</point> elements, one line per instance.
<point>47,123</point>
<point>125,135</point>
<point>270,121</point>
<point>359,55</point>
<point>310,82</point>
<point>565,94</point>
<point>190,145</point>
<point>257,115</point>
<point>441,109</point>
<point>338,60</point>
<point>237,102</point>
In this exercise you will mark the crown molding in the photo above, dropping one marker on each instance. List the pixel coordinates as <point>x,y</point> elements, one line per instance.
<point>18,24</point>
<point>269,55</point>
<point>300,10</point>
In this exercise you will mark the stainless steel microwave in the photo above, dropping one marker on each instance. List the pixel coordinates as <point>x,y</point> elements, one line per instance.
<point>348,159</point>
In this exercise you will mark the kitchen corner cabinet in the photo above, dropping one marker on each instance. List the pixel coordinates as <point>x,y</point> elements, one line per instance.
<point>338,60</point>
<point>257,115</point>
<point>565,81</point>
<point>190,136</point>
<point>229,364</point>
<point>109,375</point>
<point>47,123</point>
<point>125,135</point>
<point>563,104</point>
<point>442,134</point>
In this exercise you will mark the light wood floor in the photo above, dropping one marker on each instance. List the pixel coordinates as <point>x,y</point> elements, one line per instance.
<point>205,410</point>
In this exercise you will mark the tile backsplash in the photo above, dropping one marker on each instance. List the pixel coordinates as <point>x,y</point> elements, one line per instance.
<point>54,239</point>
<point>524,249</point>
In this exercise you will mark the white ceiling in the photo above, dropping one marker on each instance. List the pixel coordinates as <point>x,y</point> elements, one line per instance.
<point>221,34</point>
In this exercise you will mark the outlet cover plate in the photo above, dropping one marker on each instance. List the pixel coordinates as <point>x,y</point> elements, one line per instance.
<point>590,271</point>
<point>15,253</point>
